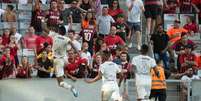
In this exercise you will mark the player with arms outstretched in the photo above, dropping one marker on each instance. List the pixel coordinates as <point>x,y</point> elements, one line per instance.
<point>108,72</point>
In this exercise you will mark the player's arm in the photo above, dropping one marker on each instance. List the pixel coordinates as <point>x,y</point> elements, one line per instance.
<point>121,77</point>
<point>98,77</point>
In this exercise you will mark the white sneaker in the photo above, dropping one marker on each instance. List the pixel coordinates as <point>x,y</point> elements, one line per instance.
<point>74,91</point>
<point>129,45</point>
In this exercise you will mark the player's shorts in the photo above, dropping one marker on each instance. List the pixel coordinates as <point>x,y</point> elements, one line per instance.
<point>110,91</point>
<point>143,86</point>
<point>59,64</point>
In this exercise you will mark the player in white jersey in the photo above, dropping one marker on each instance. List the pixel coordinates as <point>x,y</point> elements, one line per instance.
<point>59,50</point>
<point>142,65</point>
<point>108,71</point>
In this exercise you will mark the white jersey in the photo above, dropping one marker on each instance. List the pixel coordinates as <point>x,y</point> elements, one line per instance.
<point>59,47</point>
<point>109,70</point>
<point>143,66</point>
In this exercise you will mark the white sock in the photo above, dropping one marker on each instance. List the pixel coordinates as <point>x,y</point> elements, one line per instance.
<point>65,85</point>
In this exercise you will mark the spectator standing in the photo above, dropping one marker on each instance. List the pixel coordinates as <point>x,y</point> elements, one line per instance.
<point>135,9</point>
<point>53,15</point>
<point>14,47</point>
<point>153,11</point>
<point>9,15</point>
<point>75,12</point>
<point>114,9</point>
<point>95,66</point>
<point>104,22</point>
<point>160,44</point>
<point>65,15</point>
<point>89,35</point>
<point>29,39</point>
<point>89,18</point>
<point>123,29</point>
<point>37,16</point>
<point>17,35</point>
<point>6,37</point>
<point>85,4</point>
<point>7,65</point>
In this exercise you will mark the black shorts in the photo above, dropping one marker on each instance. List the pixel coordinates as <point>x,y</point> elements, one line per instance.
<point>152,11</point>
<point>159,94</point>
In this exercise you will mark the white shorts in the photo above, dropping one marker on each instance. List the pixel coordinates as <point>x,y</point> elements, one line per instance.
<point>110,91</point>
<point>143,86</point>
<point>59,64</point>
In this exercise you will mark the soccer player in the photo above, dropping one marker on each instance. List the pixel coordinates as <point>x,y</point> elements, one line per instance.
<point>108,72</point>
<point>142,65</point>
<point>59,50</point>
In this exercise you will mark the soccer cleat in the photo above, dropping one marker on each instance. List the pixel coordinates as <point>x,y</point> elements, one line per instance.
<point>74,91</point>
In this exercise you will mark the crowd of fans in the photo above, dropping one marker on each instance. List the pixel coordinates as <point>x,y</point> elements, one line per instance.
<point>110,28</point>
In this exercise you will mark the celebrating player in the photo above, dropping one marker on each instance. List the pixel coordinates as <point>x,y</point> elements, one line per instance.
<point>108,72</point>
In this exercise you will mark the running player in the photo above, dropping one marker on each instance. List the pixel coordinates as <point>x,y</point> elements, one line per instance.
<point>108,72</point>
<point>59,50</point>
<point>142,65</point>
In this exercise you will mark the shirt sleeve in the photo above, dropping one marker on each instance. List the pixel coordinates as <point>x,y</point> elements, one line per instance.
<point>153,63</point>
<point>118,68</point>
<point>101,69</point>
<point>112,20</point>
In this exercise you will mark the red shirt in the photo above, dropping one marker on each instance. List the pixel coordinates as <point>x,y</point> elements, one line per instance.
<point>115,12</point>
<point>74,64</point>
<point>191,27</point>
<point>13,50</point>
<point>41,40</point>
<point>183,58</point>
<point>53,17</point>
<point>5,40</point>
<point>3,59</point>
<point>113,41</point>
<point>30,41</point>
<point>185,6</point>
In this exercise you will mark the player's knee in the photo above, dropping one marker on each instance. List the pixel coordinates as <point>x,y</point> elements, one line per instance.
<point>61,84</point>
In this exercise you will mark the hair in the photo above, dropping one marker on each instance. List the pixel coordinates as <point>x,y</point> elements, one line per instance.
<point>71,31</point>
<point>11,7</point>
<point>183,34</point>
<point>144,49</point>
<point>106,55</point>
<point>111,4</point>
<point>62,30</point>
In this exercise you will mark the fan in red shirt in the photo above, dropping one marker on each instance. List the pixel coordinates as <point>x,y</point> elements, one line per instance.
<point>114,9</point>
<point>191,26</point>
<point>53,15</point>
<point>75,67</point>
<point>40,40</point>
<point>113,40</point>
<point>187,59</point>
<point>13,48</point>
<point>7,65</point>
<point>6,37</point>
<point>23,70</point>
